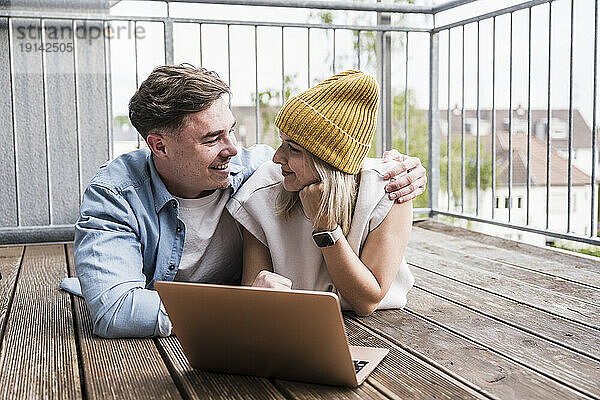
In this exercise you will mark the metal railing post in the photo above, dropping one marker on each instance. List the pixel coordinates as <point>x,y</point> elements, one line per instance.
<point>570,141</point>
<point>384,73</point>
<point>169,42</point>
<point>449,129</point>
<point>406,109</point>
<point>168,32</point>
<point>593,203</point>
<point>433,162</point>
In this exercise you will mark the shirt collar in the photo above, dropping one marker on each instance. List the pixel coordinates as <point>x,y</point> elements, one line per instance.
<point>159,190</point>
<point>234,167</point>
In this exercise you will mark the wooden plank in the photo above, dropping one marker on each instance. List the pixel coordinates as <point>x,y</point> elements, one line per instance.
<point>425,242</point>
<point>489,372</point>
<point>580,269</point>
<point>402,375</point>
<point>119,368</point>
<point>545,261</point>
<point>559,330</point>
<point>572,369</point>
<point>305,391</point>
<point>10,260</point>
<point>565,306</point>
<point>39,356</point>
<point>197,384</point>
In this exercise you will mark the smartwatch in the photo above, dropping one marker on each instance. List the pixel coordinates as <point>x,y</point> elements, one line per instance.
<point>327,238</point>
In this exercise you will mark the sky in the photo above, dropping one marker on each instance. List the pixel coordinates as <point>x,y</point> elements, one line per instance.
<point>242,64</point>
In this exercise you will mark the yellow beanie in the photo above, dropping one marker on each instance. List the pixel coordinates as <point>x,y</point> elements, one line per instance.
<point>334,120</point>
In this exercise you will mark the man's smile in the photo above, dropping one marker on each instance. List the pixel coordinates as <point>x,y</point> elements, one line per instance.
<point>221,166</point>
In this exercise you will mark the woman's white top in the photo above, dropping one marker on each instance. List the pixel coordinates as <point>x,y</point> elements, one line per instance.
<point>293,252</point>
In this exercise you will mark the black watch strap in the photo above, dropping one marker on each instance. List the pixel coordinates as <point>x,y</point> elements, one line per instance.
<point>327,238</point>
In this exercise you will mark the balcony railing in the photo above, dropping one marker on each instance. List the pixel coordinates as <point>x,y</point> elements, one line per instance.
<point>59,127</point>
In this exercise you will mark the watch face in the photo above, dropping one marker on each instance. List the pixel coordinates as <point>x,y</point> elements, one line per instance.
<point>323,239</point>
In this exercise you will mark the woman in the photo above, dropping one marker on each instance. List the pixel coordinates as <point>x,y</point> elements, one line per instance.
<point>315,220</point>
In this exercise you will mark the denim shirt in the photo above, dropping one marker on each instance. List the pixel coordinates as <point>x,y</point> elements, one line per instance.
<point>129,235</point>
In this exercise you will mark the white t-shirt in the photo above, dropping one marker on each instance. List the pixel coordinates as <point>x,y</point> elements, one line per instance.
<point>290,243</point>
<point>212,251</point>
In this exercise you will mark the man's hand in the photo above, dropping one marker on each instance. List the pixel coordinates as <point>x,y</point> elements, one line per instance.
<point>409,185</point>
<point>268,279</point>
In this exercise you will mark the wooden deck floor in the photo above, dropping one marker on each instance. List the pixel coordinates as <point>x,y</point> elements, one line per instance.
<point>487,318</point>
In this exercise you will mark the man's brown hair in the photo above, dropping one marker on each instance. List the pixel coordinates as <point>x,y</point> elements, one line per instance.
<point>169,94</point>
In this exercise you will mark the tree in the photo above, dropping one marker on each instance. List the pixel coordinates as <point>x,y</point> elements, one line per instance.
<point>368,39</point>
<point>269,102</point>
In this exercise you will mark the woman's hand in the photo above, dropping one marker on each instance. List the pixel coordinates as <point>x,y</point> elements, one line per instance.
<point>268,279</point>
<point>310,197</point>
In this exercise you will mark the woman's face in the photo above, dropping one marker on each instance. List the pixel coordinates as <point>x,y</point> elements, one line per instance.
<point>296,163</point>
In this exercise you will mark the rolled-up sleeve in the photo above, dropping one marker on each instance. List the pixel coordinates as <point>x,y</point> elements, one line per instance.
<point>108,261</point>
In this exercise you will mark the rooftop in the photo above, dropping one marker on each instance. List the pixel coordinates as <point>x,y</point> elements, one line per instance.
<point>558,164</point>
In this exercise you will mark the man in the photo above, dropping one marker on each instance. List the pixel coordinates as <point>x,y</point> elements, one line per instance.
<point>159,213</point>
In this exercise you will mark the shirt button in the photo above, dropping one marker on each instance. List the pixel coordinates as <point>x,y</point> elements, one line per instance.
<point>174,204</point>
<point>178,229</point>
<point>171,267</point>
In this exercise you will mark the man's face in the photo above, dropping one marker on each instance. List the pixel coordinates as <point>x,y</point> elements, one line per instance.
<point>199,154</point>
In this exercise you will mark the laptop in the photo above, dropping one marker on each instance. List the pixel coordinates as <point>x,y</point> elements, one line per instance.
<point>294,335</point>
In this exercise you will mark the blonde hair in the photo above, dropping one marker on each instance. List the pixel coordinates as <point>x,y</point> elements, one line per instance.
<point>339,195</point>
